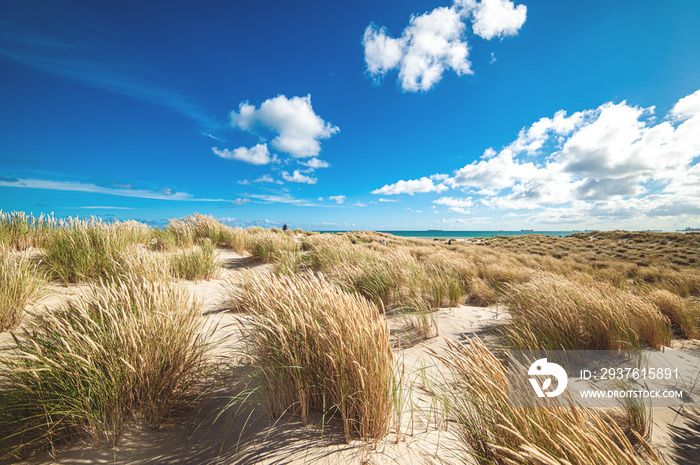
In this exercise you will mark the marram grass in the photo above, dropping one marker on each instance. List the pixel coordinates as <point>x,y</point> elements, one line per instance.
<point>87,250</point>
<point>495,433</point>
<point>683,320</point>
<point>553,313</point>
<point>194,264</point>
<point>20,284</point>
<point>131,348</point>
<point>316,347</point>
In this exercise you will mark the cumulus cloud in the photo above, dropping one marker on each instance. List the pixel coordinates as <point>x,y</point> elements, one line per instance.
<point>435,41</point>
<point>615,161</point>
<point>339,199</point>
<point>296,176</point>
<point>456,205</point>
<point>687,107</point>
<point>531,140</point>
<point>382,53</point>
<point>298,128</point>
<point>495,18</point>
<point>382,199</point>
<point>268,178</point>
<point>315,163</point>
<point>413,186</point>
<point>257,155</point>
<point>431,44</point>
<point>453,202</point>
<point>499,172</point>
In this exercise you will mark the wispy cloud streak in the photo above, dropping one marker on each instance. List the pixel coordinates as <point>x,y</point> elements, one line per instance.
<point>73,186</point>
<point>65,43</point>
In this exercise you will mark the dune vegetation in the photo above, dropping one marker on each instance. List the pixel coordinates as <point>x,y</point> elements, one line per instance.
<point>20,284</point>
<point>131,342</point>
<point>497,433</point>
<point>316,347</point>
<point>125,348</point>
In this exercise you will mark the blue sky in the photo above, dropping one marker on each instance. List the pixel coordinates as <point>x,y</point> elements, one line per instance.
<point>467,115</point>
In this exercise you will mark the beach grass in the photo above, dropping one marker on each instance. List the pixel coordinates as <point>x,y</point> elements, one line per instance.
<point>129,348</point>
<point>496,433</point>
<point>88,250</point>
<point>21,231</point>
<point>684,321</point>
<point>316,347</point>
<point>194,264</point>
<point>20,284</point>
<point>553,313</point>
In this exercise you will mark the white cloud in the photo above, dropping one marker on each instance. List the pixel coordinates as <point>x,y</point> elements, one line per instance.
<point>495,18</point>
<point>315,163</point>
<point>382,199</point>
<point>530,140</point>
<point>435,42</point>
<point>455,205</point>
<point>258,155</point>
<point>339,199</point>
<point>359,204</point>
<point>382,53</point>
<point>453,202</point>
<point>617,161</point>
<point>298,177</point>
<point>413,186</point>
<point>241,201</point>
<point>283,198</point>
<point>497,172</point>
<point>431,44</point>
<point>268,178</point>
<point>299,130</point>
<point>687,107</point>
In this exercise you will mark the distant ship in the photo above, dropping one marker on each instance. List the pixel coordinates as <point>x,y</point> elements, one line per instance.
<point>526,230</point>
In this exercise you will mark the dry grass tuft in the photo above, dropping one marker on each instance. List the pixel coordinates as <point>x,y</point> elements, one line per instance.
<point>130,348</point>
<point>319,348</point>
<point>195,264</point>
<point>480,293</point>
<point>683,322</point>
<point>20,284</point>
<point>553,313</point>
<point>151,266</point>
<point>21,231</point>
<point>87,250</point>
<point>269,246</point>
<point>388,276</point>
<point>495,433</point>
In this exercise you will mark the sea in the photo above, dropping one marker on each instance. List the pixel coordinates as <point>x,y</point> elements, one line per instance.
<point>458,234</point>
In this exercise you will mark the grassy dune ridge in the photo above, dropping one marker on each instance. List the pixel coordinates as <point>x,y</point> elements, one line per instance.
<point>315,333</point>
